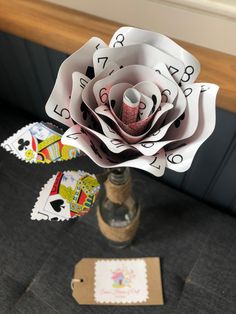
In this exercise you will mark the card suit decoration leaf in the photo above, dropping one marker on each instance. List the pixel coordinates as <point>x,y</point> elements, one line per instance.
<point>66,195</point>
<point>39,142</point>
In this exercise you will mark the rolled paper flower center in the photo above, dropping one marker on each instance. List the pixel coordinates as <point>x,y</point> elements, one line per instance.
<point>130,106</point>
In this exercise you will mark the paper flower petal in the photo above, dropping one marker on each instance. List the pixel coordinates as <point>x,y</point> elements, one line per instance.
<point>142,54</point>
<point>180,157</point>
<point>186,124</point>
<point>93,147</point>
<point>134,74</point>
<point>179,101</point>
<point>57,106</point>
<point>131,139</point>
<point>126,36</point>
<point>82,106</point>
<point>66,195</point>
<point>132,101</point>
<point>115,97</point>
<point>39,142</point>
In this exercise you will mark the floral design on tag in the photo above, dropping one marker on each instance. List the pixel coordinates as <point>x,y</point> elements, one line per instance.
<point>121,281</point>
<point>122,277</point>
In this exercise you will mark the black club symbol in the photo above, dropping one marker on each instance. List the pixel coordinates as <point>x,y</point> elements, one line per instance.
<point>84,110</point>
<point>113,103</point>
<point>178,121</point>
<point>95,149</point>
<point>23,144</point>
<point>87,114</point>
<point>154,100</point>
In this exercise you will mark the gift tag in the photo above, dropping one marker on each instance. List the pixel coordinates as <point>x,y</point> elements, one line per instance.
<point>130,281</point>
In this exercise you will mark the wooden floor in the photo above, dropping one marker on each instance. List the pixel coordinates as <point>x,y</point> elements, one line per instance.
<point>66,30</point>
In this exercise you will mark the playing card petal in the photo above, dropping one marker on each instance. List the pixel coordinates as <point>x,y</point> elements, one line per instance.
<point>180,154</point>
<point>141,100</point>
<point>125,36</point>
<point>186,124</point>
<point>129,138</point>
<point>57,106</point>
<point>141,54</point>
<point>93,147</point>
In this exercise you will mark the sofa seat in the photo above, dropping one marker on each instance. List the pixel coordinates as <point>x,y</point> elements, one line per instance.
<point>196,243</point>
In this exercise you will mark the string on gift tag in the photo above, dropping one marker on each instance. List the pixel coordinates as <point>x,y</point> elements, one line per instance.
<point>73,281</point>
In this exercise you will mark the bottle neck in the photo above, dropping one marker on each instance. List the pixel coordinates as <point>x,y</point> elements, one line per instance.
<point>119,176</point>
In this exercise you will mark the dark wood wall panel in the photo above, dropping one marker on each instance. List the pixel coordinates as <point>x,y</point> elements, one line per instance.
<point>27,75</point>
<point>41,68</point>
<point>12,73</point>
<point>55,60</point>
<point>25,69</point>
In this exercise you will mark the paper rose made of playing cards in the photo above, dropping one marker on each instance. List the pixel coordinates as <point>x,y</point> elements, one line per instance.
<point>134,103</point>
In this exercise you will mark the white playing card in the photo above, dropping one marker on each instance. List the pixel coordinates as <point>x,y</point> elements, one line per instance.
<point>187,123</point>
<point>118,145</point>
<point>126,36</point>
<point>79,81</point>
<point>133,75</point>
<point>178,111</point>
<point>150,98</point>
<point>93,148</point>
<point>149,102</point>
<point>146,107</point>
<point>132,139</point>
<point>81,61</point>
<point>84,114</point>
<point>115,97</point>
<point>180,100</point>
<point>142,54</point>
<point>180,155</point>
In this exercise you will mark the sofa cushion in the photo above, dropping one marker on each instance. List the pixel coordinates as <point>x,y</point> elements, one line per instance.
<point>196,242</point>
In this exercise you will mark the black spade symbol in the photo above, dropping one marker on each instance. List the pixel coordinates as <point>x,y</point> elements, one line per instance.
<point>113,102</point>
<point>57,205</point>
<point>154,99</point>
<point>90,72</point>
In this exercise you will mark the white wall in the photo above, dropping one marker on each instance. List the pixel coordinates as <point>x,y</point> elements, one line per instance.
<point>208,23</point>
<point>226,8</point>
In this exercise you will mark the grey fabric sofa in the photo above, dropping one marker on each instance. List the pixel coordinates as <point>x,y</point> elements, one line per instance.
<point>187,219</point>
